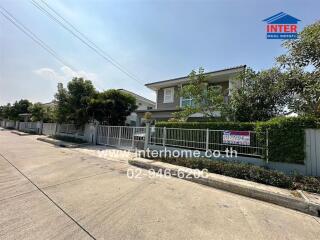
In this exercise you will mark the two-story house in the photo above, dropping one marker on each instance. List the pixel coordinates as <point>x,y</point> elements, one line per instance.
<point>143,104</point>
<point>168,100</point>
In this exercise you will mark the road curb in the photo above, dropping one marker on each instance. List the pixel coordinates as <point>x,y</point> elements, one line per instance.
<point>22,133</point>
<point>61,143</point>
<point>238,186</point>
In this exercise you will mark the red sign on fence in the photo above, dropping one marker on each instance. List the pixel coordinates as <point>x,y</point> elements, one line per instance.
<point>236,137</point>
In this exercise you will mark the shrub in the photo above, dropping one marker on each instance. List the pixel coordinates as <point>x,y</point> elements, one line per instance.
<point>286,137</point>
<point>249,172</point>
<point>285,134</point>
<point>68,139</point>
<point>235,169</point>
<point>245,126</point>
<point>310,184</point>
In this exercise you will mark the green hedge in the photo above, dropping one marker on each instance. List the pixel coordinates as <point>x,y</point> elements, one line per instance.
<point>285,134</point>
<point>244,126</point>
<point>287,137</point>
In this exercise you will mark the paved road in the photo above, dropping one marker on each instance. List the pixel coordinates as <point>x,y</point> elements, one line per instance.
<point>48,192</point>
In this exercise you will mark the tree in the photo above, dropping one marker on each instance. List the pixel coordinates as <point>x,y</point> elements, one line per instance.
<point>2,109</point>
<point>12,111</point>
<point>40,112</point>
<point>205,99</point>
<point>261,96</point>
<point>5,111</point>
<point>303,51</point>
<point>112,107</point>
<point>73,102</point>
<point>80,103</point>
<point>302,65</point>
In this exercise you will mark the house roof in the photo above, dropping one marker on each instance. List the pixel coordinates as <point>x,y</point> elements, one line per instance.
<point>181,79</point>
<point>138,96</point>
<point>281,18</point>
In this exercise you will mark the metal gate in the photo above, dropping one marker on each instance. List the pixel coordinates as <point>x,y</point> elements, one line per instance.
<point>121,136</point>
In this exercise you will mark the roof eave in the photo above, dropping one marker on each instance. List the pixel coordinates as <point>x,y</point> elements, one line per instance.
<point>171,82</point>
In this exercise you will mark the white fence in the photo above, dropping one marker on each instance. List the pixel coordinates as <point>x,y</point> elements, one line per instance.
<point>29,127</point>
<point>8,124</point>
<point>49,129</point>
<point>70,129</point>
<point>206,140</point>
<point>121,136</point>
<point>126,137</point>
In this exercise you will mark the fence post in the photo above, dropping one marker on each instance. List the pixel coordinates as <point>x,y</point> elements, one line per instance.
<point>96,133</point>
<point>267,145</point>
<point>164,137</point>
<point>119,140</point>
<point>146,138</point>
<point>108,135</point>
<point>207,139</point>
<point>56,129</point>
<point>133,132</point>
<point>41,127</point>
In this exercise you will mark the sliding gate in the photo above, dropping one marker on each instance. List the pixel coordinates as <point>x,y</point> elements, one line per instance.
<point>121,136</point>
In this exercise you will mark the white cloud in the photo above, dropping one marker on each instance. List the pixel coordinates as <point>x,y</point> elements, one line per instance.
<point>64,74</point>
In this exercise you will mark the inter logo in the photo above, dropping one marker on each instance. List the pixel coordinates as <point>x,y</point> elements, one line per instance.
<point>282,26</point>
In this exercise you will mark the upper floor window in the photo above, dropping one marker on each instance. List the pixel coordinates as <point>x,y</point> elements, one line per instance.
<point>168,95</point>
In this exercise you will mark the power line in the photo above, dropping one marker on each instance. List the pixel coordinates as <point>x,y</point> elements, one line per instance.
<point>83,38</point>
<point>36,39</point>
<point>32,36</point>
<point>86,37</point>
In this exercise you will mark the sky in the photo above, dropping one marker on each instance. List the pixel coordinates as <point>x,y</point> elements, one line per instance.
<point>153,40</point>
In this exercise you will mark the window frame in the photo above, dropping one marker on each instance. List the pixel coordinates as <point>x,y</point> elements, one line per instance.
<point>165,99</point>
<point>182,99</point>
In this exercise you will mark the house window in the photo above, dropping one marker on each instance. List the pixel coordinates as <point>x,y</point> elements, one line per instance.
<point>186,102</point>
<point>168,95</point>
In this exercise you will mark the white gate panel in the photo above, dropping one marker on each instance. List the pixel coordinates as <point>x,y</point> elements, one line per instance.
<point>121,136</point>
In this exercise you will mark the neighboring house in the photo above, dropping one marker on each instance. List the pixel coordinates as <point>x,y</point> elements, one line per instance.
<point>53,103</point>
<point>168,100</point>
<point>143,104</point>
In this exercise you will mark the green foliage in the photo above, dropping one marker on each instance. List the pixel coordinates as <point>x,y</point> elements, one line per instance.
<point>73,102</point>
<point>40,112</point>
<point>286,137</point>
<point>249,172</point>
<point>260,97</point>
<point>12,111</point>
<point>62,109</point>
<point>206,99</point>
<point>285,134</point>
<point>303,51</point>
<point>80,102</point>
<point>245,126</point>
<point>68,139</point>
<point>302,64</point>
<point>304,89</point>
<point>236,170</point>
<point>112,107</point>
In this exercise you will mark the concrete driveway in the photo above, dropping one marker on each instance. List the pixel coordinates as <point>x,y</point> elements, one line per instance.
<point>48,192</point>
